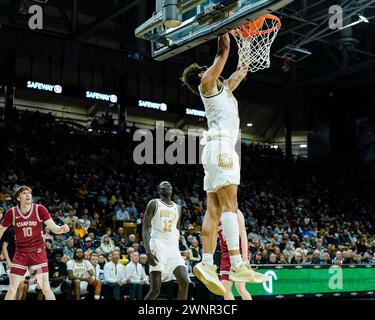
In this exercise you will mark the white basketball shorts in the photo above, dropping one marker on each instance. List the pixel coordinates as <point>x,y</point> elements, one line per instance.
<point>221,165</point>
<point>168,254</point>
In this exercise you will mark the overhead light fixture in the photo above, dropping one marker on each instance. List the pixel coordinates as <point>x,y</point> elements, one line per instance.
<point>361,19</point>
<point>249,124</point>
<point>302,146</point>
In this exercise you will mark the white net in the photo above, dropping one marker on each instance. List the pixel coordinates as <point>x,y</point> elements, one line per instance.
<point>254,41</point>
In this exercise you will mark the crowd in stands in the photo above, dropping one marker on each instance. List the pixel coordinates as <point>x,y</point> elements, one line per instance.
<point>296,212</point>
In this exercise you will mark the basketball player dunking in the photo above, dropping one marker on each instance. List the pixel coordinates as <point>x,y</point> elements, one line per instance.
<point>27,219</point>
<point>161,240</point>
<point>221,166</point>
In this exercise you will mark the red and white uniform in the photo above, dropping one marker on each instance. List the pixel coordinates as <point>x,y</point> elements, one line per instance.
<point>225,259</point>
<point>30,247</point>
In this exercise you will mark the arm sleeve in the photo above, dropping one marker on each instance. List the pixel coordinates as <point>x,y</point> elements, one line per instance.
<point>43,213</point>
<point>7,220</point>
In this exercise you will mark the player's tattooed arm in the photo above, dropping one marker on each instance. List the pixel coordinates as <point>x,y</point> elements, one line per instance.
<point>146,230</point>
<point>236,78</point>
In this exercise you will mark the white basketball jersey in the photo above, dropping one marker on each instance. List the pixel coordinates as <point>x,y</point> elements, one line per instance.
<point>222,113</point>
<point>164,221</point>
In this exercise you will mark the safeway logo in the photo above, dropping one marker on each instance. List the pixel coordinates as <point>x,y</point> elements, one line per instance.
<point>268,286</point>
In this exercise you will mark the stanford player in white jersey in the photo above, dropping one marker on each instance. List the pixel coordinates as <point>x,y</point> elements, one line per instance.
<point>27,219</point>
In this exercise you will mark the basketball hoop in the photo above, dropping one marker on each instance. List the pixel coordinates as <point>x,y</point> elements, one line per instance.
<point>254,40</point>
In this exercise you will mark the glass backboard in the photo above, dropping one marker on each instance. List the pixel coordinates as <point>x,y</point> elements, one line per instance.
<point>200,21</point>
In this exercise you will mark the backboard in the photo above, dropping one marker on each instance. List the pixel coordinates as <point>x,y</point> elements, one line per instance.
<point>179,25</point>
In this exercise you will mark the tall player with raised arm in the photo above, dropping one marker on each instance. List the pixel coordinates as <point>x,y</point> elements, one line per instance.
<point>27,219</point>
<point>161,235</point>
<point>221,166</point>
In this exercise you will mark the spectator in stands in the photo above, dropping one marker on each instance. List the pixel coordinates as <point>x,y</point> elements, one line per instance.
<point>87,255</point>
<point>57,274</point>
<point>297,259</point>
<point>58,242</point>
<point>88,246</point>
<point>277,252</point>
<point>122,246</point>
<point>264,259</point>
<point>85,221</point>
<point>132,212</point>
<point>77,241</point>
<point>102,199</point>
<point>121,216</point>
<point>357,259</point>
<point>349,257</point>
<point>315,257</point>
<point>256,258</point>
<point>303,249</point>
<point>338,258</point>
<point>114,278</point>
<point>272,259</point>
<point>326,258</point>
<point>139,224</point>
<point>283,259</point>
<point>106,245</point>
<point>101,261</point>
<point>288,252</point>
<point>109,233</point>
<point>69,248</point>
<point>80,230</point>
<point>94,240</point>
<point>99,273</point>
<point>120,233</point>
<point>135,277</point>
<point>81,274</point>
<point>71,220</point>
<point>308,258</point>
<point>255,246</point>
<point>195,255</point>
<point>143,260</point>
<point>188,264</point>
<point>131,240</point>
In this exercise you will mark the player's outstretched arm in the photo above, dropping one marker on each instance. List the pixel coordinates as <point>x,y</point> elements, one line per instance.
<point>243,236</point>
<point>235,79</point>
<point>210,77</point>
<point>146,230</point>
<point>55,228</point>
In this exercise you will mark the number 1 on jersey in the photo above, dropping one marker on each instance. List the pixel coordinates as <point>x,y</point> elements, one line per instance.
<point>27,232</point>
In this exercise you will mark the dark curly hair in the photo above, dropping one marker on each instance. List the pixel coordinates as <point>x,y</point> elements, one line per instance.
<point>191,79</point>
